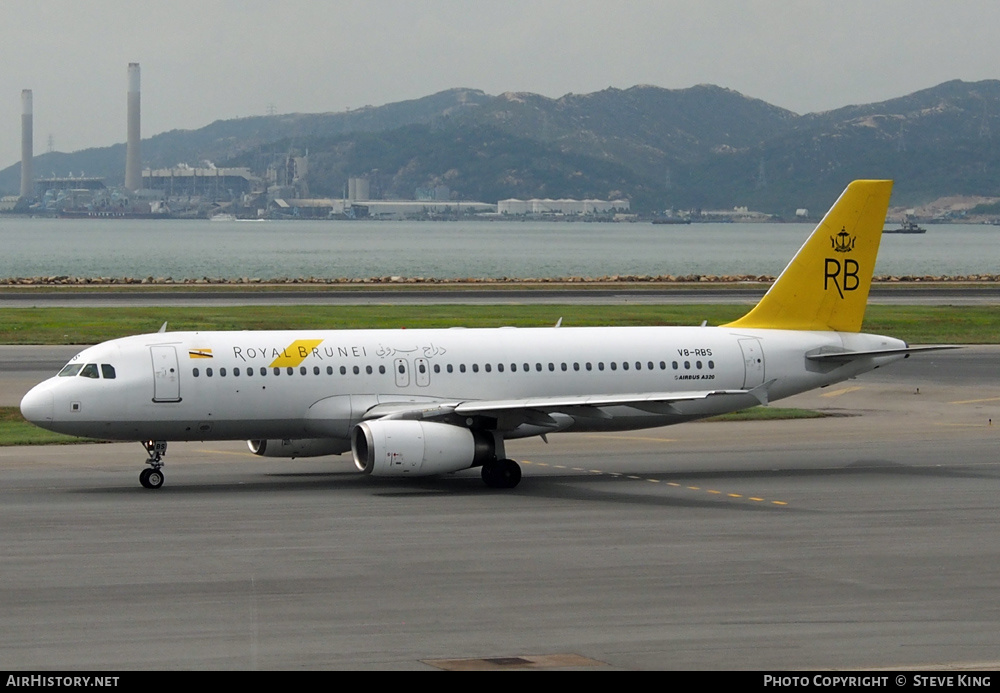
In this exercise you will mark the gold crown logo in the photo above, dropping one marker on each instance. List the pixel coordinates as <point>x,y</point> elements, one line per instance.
<point>843,242</point>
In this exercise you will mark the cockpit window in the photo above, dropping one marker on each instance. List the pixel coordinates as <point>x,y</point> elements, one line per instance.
<point>70,369</point>
<point>90,371</point>
<point>108,371</point>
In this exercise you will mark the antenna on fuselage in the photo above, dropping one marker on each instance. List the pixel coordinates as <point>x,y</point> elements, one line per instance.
<point>163,327</point>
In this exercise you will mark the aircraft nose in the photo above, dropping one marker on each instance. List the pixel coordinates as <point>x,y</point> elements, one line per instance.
<point>38,406</point>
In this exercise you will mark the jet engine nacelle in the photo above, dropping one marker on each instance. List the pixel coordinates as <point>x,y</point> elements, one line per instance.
<point>301,447</point>
<point>418,448</point>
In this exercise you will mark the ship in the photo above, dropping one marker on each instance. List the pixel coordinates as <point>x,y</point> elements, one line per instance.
<point>907,227</point>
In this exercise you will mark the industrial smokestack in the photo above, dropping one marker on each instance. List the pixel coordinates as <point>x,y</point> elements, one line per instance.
<point>27,137</point>
<point>133,162</point>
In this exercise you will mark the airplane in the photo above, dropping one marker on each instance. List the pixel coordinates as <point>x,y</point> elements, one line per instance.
<point>412,403</point>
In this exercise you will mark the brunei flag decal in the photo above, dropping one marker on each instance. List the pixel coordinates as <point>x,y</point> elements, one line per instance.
<point>200,353</point>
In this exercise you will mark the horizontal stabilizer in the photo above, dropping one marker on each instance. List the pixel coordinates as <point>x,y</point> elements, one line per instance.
<point>867,353</point>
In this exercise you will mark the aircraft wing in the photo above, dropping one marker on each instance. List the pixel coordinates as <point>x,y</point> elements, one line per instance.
<point>539,410</point>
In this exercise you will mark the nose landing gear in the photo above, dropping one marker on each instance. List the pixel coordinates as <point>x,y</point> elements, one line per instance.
<point>152,477</point>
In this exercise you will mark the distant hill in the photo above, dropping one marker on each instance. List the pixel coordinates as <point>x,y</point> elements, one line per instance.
<point>934,143</point>
<point>702,147</point>
<point>477,162</point>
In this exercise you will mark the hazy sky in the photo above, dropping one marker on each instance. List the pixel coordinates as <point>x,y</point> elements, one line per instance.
<point>205,60</point>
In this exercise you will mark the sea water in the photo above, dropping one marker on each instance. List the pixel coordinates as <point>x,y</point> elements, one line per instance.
<point>358,249</point>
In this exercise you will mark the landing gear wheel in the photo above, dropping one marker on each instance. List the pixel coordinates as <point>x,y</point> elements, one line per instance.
<point>151,478</point>
<point>501,474</point>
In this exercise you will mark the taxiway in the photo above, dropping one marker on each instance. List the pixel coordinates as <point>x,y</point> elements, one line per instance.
<point>866,539</point>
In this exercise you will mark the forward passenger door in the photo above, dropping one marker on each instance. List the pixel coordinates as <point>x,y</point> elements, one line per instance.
<point>166,374</point>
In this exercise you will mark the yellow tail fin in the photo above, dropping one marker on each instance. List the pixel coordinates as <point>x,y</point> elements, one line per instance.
<point>825,286</point>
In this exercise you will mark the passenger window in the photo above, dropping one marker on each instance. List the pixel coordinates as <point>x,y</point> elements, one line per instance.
<point>614,365</point>
<point>475,368</point>
<point>381,370</point>
<point>624,365</point>
<point>674,363</point>
<point>194,372</point>
<point>263,371</point>
<point>250,371</point>
<point>208,372</point>
<point>315,370</point>
<point>600,365</point>
<point>90,371</point>
<point>343,370</point>
<point>277,370</point>
<point>357,371</point>
<point>368,370</point>
<point>500,368</point>
<point>291,371</point>
<point>711,364</point>
<point>302,370</point>
<point>236,372</point>
<point>329,370</point>
<point>589,366</point>
<point>70,369</point>
<point>222,372</point>
<point>461,368</point>
<point>437,368</point>
<point>108,371</point>
<point>450,368</point>
<point>563,366</point>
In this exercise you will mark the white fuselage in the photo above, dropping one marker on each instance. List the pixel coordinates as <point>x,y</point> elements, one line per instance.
<point>319,384</point>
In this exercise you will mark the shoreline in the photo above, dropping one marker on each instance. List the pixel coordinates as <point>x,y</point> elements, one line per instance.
<point>399,282</point>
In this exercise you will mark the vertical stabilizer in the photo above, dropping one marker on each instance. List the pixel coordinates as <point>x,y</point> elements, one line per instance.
<point>825,286</point>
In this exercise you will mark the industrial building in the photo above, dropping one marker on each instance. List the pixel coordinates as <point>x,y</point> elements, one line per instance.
<point>213,183</point>
<point>516,207</point>
<point>375,209</point>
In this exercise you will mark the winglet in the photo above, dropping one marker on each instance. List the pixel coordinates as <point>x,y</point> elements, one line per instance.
<point>761,392</point>
<point>825,286</point>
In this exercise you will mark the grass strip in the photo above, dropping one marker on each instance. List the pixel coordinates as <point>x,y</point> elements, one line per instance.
<point>915,324</point>
<point>14,430</point>
<point>769,414</point>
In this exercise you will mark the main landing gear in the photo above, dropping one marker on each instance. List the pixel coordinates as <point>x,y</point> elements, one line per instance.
<point>501,474</point>
<point>153,476</point>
